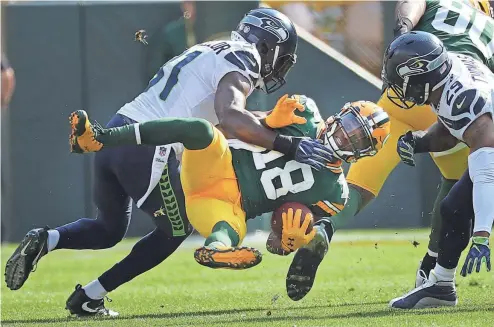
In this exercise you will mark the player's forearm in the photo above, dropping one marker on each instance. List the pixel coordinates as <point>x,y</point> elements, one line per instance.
<point>435,139</point>
<point>193,133</point>
<point>481,171</point>
<point>244,126</point>
<point>407,15</point>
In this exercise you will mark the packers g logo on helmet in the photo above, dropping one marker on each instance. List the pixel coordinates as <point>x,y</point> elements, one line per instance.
<point>359,130</point>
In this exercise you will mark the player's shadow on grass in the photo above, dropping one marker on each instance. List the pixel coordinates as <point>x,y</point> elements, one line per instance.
<point>197,314</point>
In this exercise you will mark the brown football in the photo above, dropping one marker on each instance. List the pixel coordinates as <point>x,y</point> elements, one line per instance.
<point>277,221</point>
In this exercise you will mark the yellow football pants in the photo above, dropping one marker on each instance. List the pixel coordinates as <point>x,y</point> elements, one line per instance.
<point>210,187</point>
<point>370,173</point>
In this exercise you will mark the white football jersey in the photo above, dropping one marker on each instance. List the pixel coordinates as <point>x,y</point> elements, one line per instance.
<point>186,85</point>
<point>467,94</point>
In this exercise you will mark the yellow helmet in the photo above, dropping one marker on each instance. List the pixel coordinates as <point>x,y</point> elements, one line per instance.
<point>359,130</point>
<point>484,6</point>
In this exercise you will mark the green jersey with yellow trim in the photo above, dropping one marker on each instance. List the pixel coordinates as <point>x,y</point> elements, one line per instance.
<point>268,179</point>
<point>462,28</point>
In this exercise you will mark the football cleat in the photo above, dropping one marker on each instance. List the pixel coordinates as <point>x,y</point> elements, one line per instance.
<point>25,257</point>
<point>432,293</point>
<point>83,134</point>
<point>228,257</point>
<point>81,305</point>
<point>302,271</point>
<point>421,276</point>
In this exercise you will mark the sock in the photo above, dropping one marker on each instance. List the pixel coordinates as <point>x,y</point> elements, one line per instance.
<point>194,133</point>
<point>328,227</point>
<point>444,274</point>
<point>223,233</point>
<point>53,237</point>
<point>428,263</point>
<point>95,290</point>
<point>351,208</point>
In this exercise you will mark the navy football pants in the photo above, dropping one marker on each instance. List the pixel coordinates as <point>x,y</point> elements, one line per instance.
<point>457,216</point>
<point>122,174</point>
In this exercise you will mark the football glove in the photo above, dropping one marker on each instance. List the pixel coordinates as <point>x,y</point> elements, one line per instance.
<point>406,148</point>
<point>293,235</point>
<point>479,253</point>
<point>283,113</point>
<point>312,152</point>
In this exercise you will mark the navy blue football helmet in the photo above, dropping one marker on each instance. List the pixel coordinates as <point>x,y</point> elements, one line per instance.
<point>275,38</point>
<point>414,65</point>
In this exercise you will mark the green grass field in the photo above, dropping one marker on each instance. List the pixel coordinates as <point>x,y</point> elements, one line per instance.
<point>360,274</point>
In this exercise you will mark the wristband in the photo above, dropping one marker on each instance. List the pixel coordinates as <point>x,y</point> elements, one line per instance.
<point>283,144</point>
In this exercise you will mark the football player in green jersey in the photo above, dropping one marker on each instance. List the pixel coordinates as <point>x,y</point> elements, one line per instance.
<point>227,182</point>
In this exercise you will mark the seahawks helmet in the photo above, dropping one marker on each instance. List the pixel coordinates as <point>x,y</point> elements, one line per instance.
<point>275,38</point>
<point>414,65</point>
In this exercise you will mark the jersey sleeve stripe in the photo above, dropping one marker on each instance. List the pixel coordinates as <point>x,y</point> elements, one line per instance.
<point>323,206</point>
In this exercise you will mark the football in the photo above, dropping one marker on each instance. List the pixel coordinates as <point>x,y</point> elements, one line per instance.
<point>277,221</point>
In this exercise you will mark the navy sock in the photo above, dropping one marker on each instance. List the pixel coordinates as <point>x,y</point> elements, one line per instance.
<point>146,254</point>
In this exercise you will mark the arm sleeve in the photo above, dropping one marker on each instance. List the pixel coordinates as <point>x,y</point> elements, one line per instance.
<point>481,170</point>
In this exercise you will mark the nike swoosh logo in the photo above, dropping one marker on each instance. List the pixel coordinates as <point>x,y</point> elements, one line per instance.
<point>23,253</point>
<point>35,261</point>
<point>459,105</point>
<point>88,309</point>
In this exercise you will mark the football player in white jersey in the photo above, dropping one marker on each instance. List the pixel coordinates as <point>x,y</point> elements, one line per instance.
<point>210,81</point>
<point>460,89</point>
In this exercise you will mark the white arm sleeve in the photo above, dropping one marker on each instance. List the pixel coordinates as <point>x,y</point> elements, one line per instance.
<point>481,169</point>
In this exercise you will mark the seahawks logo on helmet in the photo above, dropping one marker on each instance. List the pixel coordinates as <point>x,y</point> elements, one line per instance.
<point>420,65</point>
<point>270,24</point>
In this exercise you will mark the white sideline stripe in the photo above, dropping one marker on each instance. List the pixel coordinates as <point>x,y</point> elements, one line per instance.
<point>336,55</point>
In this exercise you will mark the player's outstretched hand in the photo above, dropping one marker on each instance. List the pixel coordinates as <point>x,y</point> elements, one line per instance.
<point>283,114</point>
<point>294,235</point>
<point>312,152</point>
<point>479,253</point>
<point>406,148</point>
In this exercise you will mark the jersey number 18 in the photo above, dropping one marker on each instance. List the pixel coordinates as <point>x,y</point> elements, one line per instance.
<point>287,185</point>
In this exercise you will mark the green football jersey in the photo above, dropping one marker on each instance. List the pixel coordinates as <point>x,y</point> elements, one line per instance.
<point>268,179</point>
<point>461,28</point>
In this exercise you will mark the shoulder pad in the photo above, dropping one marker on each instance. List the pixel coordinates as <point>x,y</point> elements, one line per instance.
<point>310,106</point>
<point>242,55</point>
<point>466,101</point>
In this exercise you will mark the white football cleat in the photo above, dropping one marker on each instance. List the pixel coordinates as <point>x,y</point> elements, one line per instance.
<point>432,293</point>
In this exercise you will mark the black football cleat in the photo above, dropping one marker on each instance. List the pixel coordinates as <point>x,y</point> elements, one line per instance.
<point>25,257</point>
<point>81,305</point>
<point>302,271</point>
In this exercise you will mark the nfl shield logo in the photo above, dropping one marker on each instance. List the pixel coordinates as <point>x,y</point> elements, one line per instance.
<point>162,150</point>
